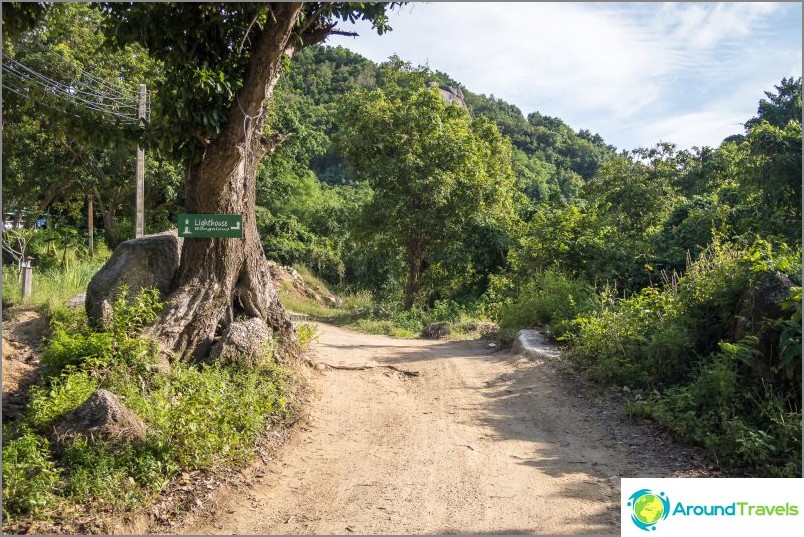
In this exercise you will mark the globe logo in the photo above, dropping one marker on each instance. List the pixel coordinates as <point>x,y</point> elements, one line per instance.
<point>648,508</point>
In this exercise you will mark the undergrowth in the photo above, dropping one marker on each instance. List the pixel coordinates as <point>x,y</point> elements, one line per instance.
<point>52,287</point>
<point>709,383</point>
<point>194,417</point>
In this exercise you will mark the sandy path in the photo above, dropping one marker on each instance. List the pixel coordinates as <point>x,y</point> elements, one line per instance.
<point>479,442</point>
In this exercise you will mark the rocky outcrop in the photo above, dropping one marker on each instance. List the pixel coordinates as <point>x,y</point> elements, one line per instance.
<point>759,305</point>
<point>150,261</point>
<point>102,416</point>
<point>244,344</point>
<point>449,94</point>
<point>291,282</point>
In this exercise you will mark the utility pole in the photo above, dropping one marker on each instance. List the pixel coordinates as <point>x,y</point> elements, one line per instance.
<point>91,224</point>
<point>139,225</point>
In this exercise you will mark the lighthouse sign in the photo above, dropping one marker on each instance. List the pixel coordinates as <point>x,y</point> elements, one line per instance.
<point>218,226</point>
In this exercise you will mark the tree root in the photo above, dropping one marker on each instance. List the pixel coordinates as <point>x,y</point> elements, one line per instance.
<point>364,367</point>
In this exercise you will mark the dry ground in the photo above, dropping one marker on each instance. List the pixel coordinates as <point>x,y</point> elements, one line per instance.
<point>478,442</point>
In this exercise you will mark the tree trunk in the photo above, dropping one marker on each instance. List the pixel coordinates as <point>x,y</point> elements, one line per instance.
<point>415,263</point>
<point>109,222</point>
<point>219,279</point>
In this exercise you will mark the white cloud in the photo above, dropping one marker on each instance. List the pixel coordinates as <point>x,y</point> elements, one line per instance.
<point>632,72</point>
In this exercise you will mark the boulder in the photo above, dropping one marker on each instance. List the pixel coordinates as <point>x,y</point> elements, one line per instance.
<point>436,330</point>
<point>244,344</point>
<point>104,416</point>
<point>149,261</point>
<point>77,301</point>
<point>759,304</point>
<point>532,343</point>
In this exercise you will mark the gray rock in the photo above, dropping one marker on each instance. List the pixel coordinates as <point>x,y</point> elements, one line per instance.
<point>532,343</point>
<point>760,304</point>
<point>244,344</point>
<point>436,330</point>
<point>149,261</point>
<point>77,301</point>
<point>102,415</point>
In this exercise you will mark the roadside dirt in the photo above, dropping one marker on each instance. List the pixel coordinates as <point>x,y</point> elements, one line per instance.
<point>23,332</point>
<point>478,442</point>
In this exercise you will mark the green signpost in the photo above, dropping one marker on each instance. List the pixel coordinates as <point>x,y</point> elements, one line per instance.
<point>214,226</point>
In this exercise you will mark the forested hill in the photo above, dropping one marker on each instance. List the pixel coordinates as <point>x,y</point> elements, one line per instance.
<point>550,158</point>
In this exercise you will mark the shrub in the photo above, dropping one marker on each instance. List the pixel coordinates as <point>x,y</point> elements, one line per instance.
<point>64,394</point>
<point>306,334</point>
<point>73,342</point>
<point>197,413</point>
<point>551,297</point>
<point>29,476</point>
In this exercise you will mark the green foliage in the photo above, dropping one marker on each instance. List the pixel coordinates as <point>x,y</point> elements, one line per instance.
<point>74,343</point>
<point>132,314</point>
<point>790,337</point>
<point>205,51</point>
<point>121,478</point>
<point>64,394</point>
<point>194,417</point>
<point>550,297</point>
<point>745,426</point>
<point>196,414</point>
<point>29,476</point>
<point>678,343</point>
<point>409,146</point>
<point>306,333</point>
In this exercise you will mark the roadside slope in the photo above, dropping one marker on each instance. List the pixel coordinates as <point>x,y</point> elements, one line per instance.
<point>478,442</point>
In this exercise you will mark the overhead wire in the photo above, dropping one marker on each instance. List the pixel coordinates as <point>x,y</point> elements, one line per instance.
<point>99,81</point>
<point>26,73</point>
<point>110,100</point>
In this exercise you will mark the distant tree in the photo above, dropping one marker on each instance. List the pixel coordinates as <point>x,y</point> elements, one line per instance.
<point>434,170</point>
<point>780,107</point>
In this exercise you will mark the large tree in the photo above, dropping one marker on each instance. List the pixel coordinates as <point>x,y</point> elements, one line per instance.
<point>435,171</point>
<point>222,62</point>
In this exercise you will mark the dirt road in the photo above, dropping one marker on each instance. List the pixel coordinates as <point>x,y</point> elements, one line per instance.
<point>479,442</point>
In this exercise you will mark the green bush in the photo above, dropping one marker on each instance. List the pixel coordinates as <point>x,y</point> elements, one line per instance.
<point>306,333</point>
<point>678,344</point>
<point>29,476</point>
<point>64,394</point>
<point>743,425</point>
<point>197,413</point>
<point>551,297</point>
<point>73,342</point>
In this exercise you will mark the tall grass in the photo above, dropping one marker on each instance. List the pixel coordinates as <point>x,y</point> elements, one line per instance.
<point>51,288</point>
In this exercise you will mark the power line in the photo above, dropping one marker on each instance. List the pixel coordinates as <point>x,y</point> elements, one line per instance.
<point>86,74</point>
<point>31,78</point>
<point>25,73</point>
<point>111,101</point>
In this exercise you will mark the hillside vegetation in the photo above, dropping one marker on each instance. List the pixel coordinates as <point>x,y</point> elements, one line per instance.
<point>671,276</point>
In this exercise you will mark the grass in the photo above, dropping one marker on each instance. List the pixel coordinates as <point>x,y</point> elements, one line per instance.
<point>194,417</point>
<point>358,311</point>
<point>51,288</point>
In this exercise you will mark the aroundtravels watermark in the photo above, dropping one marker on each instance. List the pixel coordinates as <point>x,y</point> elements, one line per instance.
<point>694,503</point>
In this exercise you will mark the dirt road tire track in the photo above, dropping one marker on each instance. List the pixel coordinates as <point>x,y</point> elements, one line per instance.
<point>478,442</point>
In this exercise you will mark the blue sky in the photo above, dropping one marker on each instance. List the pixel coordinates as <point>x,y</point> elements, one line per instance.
<point>636,73</point>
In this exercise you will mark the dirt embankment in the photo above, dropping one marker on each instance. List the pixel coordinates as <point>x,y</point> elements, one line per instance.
<point>454,438</point>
